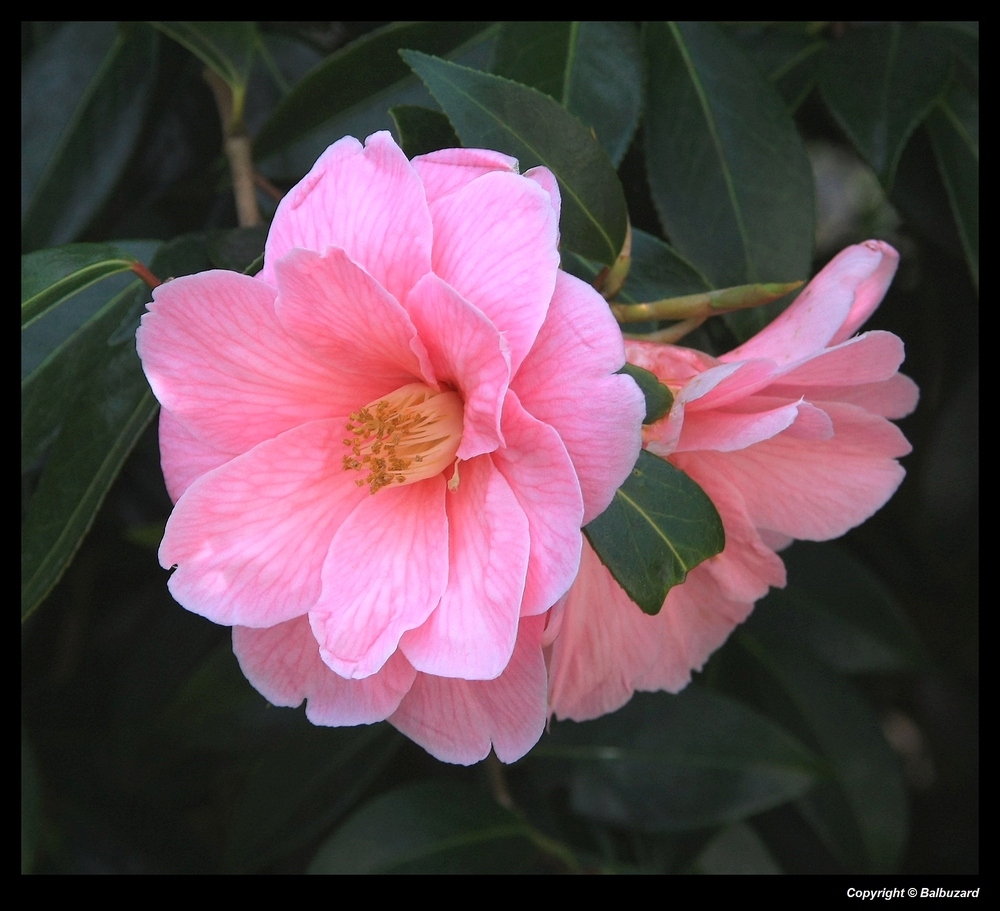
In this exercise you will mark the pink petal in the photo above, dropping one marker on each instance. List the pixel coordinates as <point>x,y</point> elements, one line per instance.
<point>283,664</point>
<point>339,311</point>
<point>249,538</point>
<point>385,572</point>
<point>218,359</point>
<point>458,720</point>
<point>673,365</point>
<point>495,243</point>
<point>472,631</point>
<point>468,351</point>
<point>185,457</point>
<point>547,181</point>
<point>893,398</point>
<point>538,469</point>
<point>815,489</point>
<point>869,358</point>
<point>368,201</point>
<point>447,170</point>
<point>724,431</point>
<point>597,414</point>
<point>830,309</point>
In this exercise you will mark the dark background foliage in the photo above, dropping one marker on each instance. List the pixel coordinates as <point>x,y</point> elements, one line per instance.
<point>837,731</point>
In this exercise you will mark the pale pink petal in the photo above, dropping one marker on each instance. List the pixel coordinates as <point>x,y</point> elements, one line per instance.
<point>673,365</point>
<point>458,720</point>
<point>815,489</point>
<point>216,356</point>
<point>338,310</point>
<point>469,352</point>
<point>472,631</point>
<point>547,181</point>
<point>604,644</point>
<point>830,309</point>
<point>495,243</point>
<point>538,468</point>
<point>868,358</point>
<point>249,538</point>
<point>283,664</point>
<point>724,431</point>
<point>185,457</point>
<point>447,170</point>
<point>368,201</point>
<point>893,398</point>
<point>597,414</point>
<point>385,572</point>
<point>726,384</point>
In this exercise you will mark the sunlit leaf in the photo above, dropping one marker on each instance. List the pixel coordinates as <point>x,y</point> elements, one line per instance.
<point>728,172</point>
<point>494,113</point>
<point>593,69</point>
<point>880,81</point>
<point>353,74</point>
<point>49,277</point>
<point>659,526</point>
<point>84,97</point>
<point>669,763</point>
<point>432,827</point>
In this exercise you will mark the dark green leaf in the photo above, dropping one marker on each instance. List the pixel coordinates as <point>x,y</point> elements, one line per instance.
<point>354,74</point>
<point>30,807</point>
<point>728,172</point>
<point>422,130</point>
<point>431,827</point>
<point>659,526</point>
<point>836,606</point>
<point>593,69</point>
<point>861,813</point>
<point>49,277</point>
<point>494,113</point>
<point>104,410</point>
<point>237,249</point>
<point>84,97</point>
<point>658,397</point>
<point>785,53</point>
<point>736,850</point>
<point>669,763</point>
<point>227,48</point>
<point>299,788</point>
<point>954,131</point>
<point>880,81</point>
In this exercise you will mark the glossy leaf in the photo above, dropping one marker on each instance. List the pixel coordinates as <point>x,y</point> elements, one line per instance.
<point>954,131</point>
<point>669,763</point>
<point>49,277</point>
<point>861,812</point>
<point>658,397</point>
<point>300,787</point>
<point>353,74</point>
<point>593,69</point>
<point>659,526</point>
<point>837,607</point>
<point>104,414</point>
<point>431,827</point>
<point>494,113</point>
<point>729,175</point>
<point>880,81</point>
<point>785,53</point>
<point>84,97</point>
<point>422,130</point>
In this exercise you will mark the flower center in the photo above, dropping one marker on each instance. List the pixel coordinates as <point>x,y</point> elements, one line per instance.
<point>407,436</point>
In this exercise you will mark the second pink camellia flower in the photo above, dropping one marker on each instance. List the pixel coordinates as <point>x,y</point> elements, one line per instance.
<point>790,436</point>
<point>382,448</point>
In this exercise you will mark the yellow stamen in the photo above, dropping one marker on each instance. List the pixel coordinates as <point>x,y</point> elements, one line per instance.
<point>407,436</point>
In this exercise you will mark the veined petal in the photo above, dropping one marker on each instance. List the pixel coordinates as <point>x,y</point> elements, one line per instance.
<point>458,720</point>
<point>219,360</point>
<point>283,664</point>
<point>368,201</point>
<point>597,414</point>
<point>386,570</point>
<point>539,471</point>
<point>724,431</point>
<point>447,170</point>
<point>471,633</point>
<point>547,181</point>
<point>832,307</point>
<point>467,350</point>
<point>184,456</point>
<point>338,310</point>
<point>249,538</point>
<point>495,243</point>
<point>893,398</point>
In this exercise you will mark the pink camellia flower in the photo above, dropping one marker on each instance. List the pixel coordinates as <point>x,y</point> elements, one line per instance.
<point>382,448</point>
<point>789,436</point>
